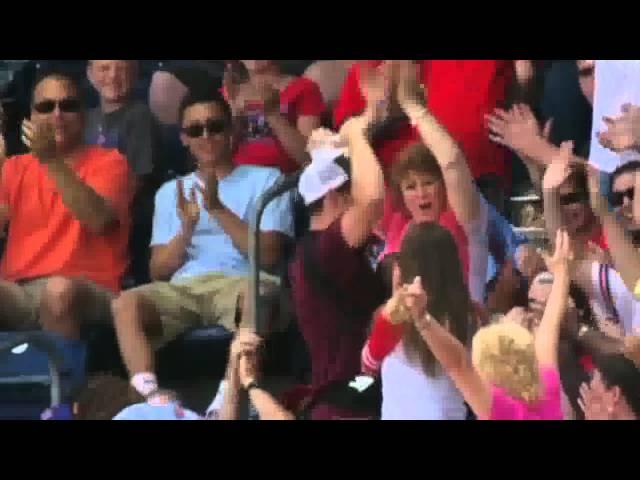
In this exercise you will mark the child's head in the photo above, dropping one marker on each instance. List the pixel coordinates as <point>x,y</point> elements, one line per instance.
<point>504,354</point>
<point>103,397</point>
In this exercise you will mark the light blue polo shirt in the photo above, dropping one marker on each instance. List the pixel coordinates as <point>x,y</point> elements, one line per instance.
<point>211,249</point>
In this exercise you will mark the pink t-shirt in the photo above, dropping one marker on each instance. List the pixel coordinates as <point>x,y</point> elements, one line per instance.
<point>505,407</point>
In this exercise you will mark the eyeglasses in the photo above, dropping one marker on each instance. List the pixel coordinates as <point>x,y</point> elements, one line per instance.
<point>573,198</point>
<point>616,199</point>
<point>213,126</point>
<point>66,105</point>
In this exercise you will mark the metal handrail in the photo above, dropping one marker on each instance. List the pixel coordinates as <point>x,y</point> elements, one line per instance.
<point>43,342</point>
<point>283,185</point>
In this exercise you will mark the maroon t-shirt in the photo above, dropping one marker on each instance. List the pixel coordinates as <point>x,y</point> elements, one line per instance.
<point>335,335</point>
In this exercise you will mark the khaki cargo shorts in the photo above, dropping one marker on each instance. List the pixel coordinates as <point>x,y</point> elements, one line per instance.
<point>201,301</point>
<point>23,311</point>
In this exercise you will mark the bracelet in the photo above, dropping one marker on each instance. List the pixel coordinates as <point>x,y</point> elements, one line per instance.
<point>252,386</point>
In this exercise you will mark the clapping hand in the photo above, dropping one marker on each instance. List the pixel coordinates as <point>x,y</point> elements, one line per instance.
<point>41,140</point>
<point>376,84</point>
<point>188,208</point>
<point>211,194</point>
<point>243,356</point>
<point>410,90</point>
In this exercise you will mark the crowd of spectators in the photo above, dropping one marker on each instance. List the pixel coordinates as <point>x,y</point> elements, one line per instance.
<point>416,293</point>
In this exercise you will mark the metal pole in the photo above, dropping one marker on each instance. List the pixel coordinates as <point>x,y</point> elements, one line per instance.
<point>44,343</point>
<point>282,186</point>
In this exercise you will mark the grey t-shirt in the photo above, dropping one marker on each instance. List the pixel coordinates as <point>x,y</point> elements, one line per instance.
<point>132,130</point>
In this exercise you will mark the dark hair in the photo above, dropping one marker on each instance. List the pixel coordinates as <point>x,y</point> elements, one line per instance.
<point>197,97</point>
<point>104,396</point>
<point>578,180</point>
<point>58,74</point>
<point>429,251</point>
<point>629,167</point>
<point>344,163</point>
<point>619,370</point>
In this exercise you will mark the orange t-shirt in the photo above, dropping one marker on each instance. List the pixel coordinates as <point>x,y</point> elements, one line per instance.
<point>45,239</point>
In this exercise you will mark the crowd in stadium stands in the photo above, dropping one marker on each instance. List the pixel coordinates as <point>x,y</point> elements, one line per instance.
<point>410,283</point>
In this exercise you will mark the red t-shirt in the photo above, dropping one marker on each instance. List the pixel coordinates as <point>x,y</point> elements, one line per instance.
<point>600,239</point>
<point>460,93</point>
<point>334,337</point>
<point>395,225</point>
<point>302,97</point>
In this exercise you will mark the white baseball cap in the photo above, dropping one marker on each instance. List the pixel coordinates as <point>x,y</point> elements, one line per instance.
<point>323,175</point>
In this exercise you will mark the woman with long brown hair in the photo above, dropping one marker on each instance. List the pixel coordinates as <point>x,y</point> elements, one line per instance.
<point>414,385</point>
<point>513,374</point>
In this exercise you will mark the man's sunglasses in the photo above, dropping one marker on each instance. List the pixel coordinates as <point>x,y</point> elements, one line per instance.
<point>212,126</point>
<point>573,198</point>
<point>616,199</point>
<point>66,105</point>
<point>586,72</point>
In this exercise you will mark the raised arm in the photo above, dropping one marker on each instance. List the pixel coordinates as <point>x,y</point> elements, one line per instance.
<point>547,336</point>
<point>242,376</point>
<point>462,193</point>
<point>367,184</point>
<point>626,259</point>
<point>557,173</point>
<point>93,210</point>
<point>450,353</point>
<point>293,140</point>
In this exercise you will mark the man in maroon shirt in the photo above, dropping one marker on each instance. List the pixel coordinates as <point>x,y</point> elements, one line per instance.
<point>335,290</point>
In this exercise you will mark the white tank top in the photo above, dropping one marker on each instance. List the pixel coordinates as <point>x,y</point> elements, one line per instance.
<point>409,394</point>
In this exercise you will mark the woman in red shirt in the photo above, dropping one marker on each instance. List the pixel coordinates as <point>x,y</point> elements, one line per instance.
<point>461,93</point>
<point>274,114</point>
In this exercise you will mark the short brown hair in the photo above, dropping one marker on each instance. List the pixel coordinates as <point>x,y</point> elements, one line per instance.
<point>104,396</point>
<point>414,158</point>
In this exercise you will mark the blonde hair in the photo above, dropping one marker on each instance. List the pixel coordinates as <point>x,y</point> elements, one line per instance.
<point>504,353</point>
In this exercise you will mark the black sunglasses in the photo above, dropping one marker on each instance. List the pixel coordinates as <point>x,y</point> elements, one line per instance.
<point>616,199</point>
<point>573,198</point>
<point>66,105</point>
<point>586,72</point>
<point>212,126</point>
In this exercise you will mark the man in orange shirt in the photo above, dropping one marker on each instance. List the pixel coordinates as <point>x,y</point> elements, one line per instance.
<point>67,206</point>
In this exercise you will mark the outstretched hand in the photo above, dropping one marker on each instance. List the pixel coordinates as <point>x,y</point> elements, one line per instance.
<point>563,256</point>
<point>516,129</point>
<point>599,202</point>
<point>559,169</point>
<point>623,132</point>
